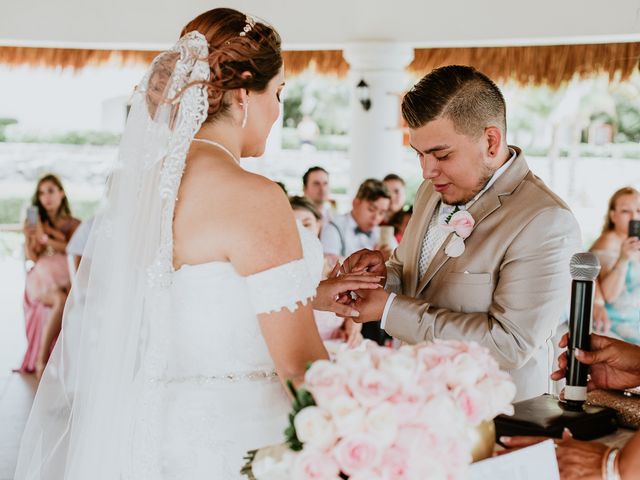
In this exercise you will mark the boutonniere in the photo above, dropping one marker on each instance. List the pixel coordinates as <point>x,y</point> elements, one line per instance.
<point>461,223</point>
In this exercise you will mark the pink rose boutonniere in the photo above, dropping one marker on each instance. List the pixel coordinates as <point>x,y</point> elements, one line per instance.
<point>461,223</point>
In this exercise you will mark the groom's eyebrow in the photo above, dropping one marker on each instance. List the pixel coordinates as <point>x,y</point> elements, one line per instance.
<point>437,148</point>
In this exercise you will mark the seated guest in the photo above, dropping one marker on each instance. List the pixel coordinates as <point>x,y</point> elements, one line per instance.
<point>619,256</point>
<point>498,274</point>
<point>330,326</point>
<point>399,222</point>
<point>614,365</point>
<point>396,186</point>
<point>48,282</point>
<point>360,228</point>
<point>306,213</point>
<point>315,186</point>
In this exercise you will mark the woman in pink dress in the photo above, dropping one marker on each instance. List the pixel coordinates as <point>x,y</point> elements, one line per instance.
<point>48,282</point>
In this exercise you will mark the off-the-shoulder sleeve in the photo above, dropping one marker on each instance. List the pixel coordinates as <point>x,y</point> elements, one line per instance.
<point>282,287</point>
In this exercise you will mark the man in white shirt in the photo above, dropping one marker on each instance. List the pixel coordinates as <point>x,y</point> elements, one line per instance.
<point>315,186</point>
<point>507,282</point>
<point>360,228</point>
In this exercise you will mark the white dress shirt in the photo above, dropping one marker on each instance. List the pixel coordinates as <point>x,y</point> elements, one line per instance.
<point>435,237</point>
<point>342,237</point>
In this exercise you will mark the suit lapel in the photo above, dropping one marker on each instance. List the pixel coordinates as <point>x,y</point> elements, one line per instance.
<point>488,203</point>
<point>425,218</point>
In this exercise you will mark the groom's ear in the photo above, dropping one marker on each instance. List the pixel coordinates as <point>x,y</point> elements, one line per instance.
<point>493,136</point>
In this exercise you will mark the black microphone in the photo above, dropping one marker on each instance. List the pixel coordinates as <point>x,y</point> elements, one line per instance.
<point>584,270</point>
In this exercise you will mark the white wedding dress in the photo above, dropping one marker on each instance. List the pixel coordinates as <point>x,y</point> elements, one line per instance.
<point>220,396</point>
<point>161,374</point>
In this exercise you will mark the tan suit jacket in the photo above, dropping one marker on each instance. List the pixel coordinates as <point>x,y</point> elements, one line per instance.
<point>507,291</point>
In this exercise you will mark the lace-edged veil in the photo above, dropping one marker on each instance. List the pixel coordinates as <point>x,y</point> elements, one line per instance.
<point>81,422</point>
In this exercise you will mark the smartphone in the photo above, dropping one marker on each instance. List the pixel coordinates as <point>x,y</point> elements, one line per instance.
<point>32,215</point>
<point>634,228</point>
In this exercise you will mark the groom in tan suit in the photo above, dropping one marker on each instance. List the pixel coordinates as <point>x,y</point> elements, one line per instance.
<point>510,286</point>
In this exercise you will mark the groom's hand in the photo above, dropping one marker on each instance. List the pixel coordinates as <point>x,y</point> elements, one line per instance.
<point>370,304</point>
<point>370,261</point>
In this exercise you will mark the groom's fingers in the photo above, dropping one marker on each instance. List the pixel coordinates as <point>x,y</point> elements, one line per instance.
<point>349,285</point>
<point>364,260</point>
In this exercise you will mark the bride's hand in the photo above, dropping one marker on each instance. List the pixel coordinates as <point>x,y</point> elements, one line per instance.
<point>333,292</point>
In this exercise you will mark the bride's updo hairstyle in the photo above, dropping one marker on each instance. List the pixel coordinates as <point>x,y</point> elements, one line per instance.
<point>237,44</point>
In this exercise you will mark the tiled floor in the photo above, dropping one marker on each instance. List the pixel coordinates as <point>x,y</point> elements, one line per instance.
<point>16,391</point>
<point>16,395</point>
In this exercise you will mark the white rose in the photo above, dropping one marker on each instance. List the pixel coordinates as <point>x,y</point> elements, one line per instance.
<point>314,426</point>
<point>441,414</point>
<point>268,468</point>
<point>354,360</point>
<point>400,366</point>
<point>465,371</point>
<point>347,415</point>
<point>382,423</point>
<point>499,395</point>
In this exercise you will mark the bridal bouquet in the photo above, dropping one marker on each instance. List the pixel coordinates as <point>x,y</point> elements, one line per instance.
<point>376,413</point>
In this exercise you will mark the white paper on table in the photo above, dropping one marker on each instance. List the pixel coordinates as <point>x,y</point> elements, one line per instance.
<point>530,463</point>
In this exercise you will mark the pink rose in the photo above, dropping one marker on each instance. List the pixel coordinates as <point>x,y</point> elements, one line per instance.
<point>395,464</point>
<point>371,387</point>
<point>462,223</point>
<point>382,423</point>
<point>416,437</point>
<point>367,475</point>
<point>472,403</point>
<point>439,352</point>
<point>314,465</point>
<point>357,453</point>
<point>326,380</point>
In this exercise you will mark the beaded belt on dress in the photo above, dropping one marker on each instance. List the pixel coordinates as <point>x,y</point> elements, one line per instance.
<point>226,377</point>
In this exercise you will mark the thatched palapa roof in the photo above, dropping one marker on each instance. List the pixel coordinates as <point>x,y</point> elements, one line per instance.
<point>551,65</point>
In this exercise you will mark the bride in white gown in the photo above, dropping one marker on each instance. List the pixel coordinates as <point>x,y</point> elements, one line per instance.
<point>192,304</point>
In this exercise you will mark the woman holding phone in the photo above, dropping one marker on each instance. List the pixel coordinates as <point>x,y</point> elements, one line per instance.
<point>48,228</point>
<point>618,249</point>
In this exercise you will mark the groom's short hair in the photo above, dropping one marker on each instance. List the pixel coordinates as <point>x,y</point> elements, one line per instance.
<point>470,99</point>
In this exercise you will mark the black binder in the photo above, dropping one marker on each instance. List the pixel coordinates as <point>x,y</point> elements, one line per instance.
<point>547,416</point>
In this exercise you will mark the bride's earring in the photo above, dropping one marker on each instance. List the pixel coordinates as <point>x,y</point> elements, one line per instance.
<point>246,113</point>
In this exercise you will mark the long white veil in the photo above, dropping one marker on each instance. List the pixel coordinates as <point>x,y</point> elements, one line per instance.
<point>112,342</point>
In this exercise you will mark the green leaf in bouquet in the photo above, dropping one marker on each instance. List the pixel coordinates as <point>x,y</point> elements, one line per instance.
<point>247,470</point>
<point>292,389</point>
<point>304,399</point>
<point>291,436</point>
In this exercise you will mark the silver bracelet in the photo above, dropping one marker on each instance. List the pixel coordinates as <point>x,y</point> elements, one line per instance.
<point>611,470</point>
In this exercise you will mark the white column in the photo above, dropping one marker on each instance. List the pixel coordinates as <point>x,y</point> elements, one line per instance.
<point>376,140</point>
